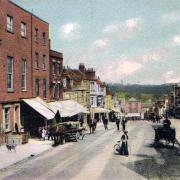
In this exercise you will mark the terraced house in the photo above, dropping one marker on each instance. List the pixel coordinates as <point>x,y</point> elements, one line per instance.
<point>24,61</point>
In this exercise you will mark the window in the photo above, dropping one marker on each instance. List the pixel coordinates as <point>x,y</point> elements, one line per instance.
<point>64,83</point>
<point>10,73</point>
<point>10,23</point>
<point>44,38</point>
<point>36,35</point>
<point>36,60</point>
<point>44,61</point>
<point>37,87</point>
<point>7,118</point>
<point>44,88</point>
<point>58,68</point>
<point>53,67</point>
<point>56,91</point>
<point>91,101</point>
<point>23,29</point>
<point>23,80</point>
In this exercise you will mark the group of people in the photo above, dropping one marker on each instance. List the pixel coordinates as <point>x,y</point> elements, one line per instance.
<point>44,132</point>
<point>123,123</point>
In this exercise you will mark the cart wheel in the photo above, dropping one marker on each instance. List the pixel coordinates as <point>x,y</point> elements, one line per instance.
<point>116,148</point>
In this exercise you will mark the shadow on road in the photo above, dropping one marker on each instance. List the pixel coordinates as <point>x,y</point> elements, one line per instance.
<point>161,166</point>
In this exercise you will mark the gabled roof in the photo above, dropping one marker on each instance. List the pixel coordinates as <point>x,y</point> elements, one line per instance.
<point>74,75</point>
<point>132,100</point>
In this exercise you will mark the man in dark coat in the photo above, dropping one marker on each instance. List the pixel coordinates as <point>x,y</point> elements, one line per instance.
<point>105,122</point>
<point>166,123</point>
<point>123,123</point>
<point>117,122</point>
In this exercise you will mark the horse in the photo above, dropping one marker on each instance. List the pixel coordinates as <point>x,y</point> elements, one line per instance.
<point>58,133</point>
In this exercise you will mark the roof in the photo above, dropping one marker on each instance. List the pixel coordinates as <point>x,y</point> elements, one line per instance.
<point>27,11</point>
<point>41,107</point>
<point>68,108</point>
<point>74,74</point>
<point>132,100</point>
<point>57,54</point>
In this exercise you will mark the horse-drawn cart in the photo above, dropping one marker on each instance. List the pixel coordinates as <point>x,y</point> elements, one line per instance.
<point>65,132</point>
<point>166,134</point>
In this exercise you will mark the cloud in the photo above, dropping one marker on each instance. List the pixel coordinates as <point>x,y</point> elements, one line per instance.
<point>176,40</point>
<point>171,17</point>
<point>69,31</point>
<point>171,77</point>
<point>155,55</point>
<point>124,29</point>
<point>127,67</point>
<point>119,69</point>
<point>100,43</point>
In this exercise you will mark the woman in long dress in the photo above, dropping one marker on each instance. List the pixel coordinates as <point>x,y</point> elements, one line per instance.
<point>124,146</point>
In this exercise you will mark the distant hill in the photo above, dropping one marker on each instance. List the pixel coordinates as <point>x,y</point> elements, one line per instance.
<point>141,91</point>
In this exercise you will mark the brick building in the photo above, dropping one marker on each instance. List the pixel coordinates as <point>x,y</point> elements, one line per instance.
<point>133,108</point>
<point>55,75</point>
<point>24,60</point>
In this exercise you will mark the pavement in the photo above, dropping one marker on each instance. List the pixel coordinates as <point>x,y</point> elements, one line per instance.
<point>33,148</point>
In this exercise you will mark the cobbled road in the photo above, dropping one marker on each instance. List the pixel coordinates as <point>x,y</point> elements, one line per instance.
<point>93,158</point>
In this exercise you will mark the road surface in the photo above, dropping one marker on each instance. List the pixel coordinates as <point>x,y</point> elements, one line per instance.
<point>93,158</point>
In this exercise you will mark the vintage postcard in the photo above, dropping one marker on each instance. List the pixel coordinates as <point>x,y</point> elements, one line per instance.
<point>89,89</point>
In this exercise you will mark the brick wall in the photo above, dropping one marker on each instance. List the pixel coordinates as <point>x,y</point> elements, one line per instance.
<point>13,45</point>
<point>55,78</point>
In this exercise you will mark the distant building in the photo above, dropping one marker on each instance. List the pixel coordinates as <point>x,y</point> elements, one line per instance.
<point>133,108</point>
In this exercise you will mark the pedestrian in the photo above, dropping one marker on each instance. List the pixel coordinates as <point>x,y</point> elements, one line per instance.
<point>117,122</point>
<point>49,132</point>
<point>124,145</point>
<point>81,122</point>
<point>123,123</point>
<point>40,132</point>
<point>90,124</point>
<point>105,122</point>
<point>44,133</point>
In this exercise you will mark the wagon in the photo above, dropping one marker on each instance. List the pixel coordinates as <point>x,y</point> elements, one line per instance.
<point>72,133</point>
<point>165,134</point>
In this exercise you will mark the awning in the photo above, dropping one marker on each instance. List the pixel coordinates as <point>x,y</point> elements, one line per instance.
<point>133,115</point>
<point>68,108</point>
<point>99,110</point>
<point>117,110</point>
<point>41,107</point>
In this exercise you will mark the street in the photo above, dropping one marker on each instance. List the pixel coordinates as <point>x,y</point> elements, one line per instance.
<point>93,158</point>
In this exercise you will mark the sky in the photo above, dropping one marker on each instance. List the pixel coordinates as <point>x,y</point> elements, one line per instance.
<point>129,41</point>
